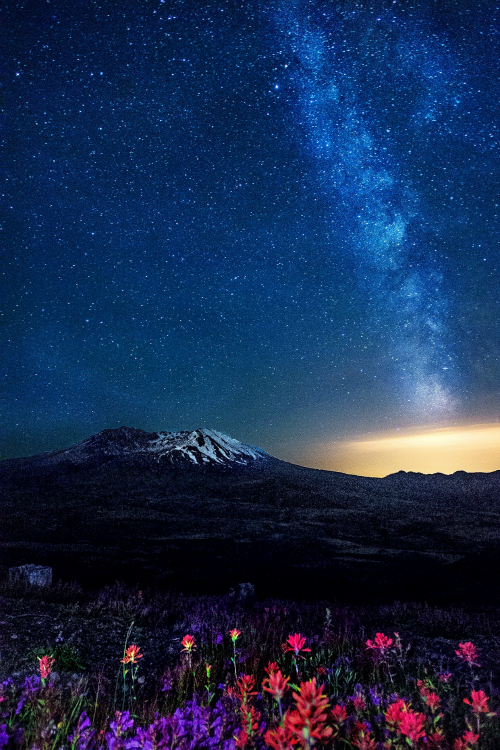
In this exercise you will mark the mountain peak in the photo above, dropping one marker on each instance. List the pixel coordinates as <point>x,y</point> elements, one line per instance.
<point>200,447</point>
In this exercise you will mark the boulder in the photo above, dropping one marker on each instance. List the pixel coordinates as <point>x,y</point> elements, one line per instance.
<point>36,575</point>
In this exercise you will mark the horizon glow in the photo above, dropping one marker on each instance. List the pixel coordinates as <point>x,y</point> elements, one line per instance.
<point>471,448</point>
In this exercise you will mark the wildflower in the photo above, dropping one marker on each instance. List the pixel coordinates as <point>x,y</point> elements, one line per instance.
<point>308,722</point>
<point>445,677</point>
<point>467,652</point>
<point>464,742</point>
<point>359,703</point>
<point>208,668</point>
<point>83,734</point>
<point>394,714</point>
<point>188,643</point>
<point>361,736</point>
<point>4,737</point>
<point>46,663</point>
<point>411,725</point>
<point>437,738</point>
<point>339,714</point>
<point>479,702</point>
<point>279,738</point>
<point>295,643</point>
<point>235,634</point>
<point>277,685</point>
<point>271,667</point>
<point>122,724</point>
<point>432,700</point>
<point>131,655</point>
<point>245,689</point>
<point>249,725</point>
<point>381,642</point>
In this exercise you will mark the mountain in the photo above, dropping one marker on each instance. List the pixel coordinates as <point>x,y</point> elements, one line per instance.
<point>202,447</point>
<point>202,511</point>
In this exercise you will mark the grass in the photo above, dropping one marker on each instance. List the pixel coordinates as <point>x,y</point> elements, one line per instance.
<point>258,687</point>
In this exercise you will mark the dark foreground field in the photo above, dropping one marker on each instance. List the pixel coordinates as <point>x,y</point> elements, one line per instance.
<point>86,633</point>
<point>292,532</point>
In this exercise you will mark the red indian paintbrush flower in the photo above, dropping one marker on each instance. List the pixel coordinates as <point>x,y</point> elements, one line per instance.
<point>131,655</point>
<point>479,702</point>
<point>339,714</point>
<point>432,700</point>
<point>46,663</point>
<point>272,666</point>
<point>394,714</point>
<point>245,688</point>
<point>381,643</point>
<point>411,725</point>
<point>188,643</point>
<point>277,685</point>
<point>235,634</point>
<point>249,726</point>
<point>362,738</point>
<point>465,742</point>
<point>467,652</point>
<point>295,643</point>
<point>279,738</point>
<point>308,722</point>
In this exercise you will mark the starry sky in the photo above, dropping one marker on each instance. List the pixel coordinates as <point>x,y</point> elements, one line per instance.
<point>276,219</point>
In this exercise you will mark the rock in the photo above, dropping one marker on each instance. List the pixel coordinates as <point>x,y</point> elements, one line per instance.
<point>36,575</point>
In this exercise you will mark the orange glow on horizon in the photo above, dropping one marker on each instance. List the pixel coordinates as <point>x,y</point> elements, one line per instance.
<point>428,450</point>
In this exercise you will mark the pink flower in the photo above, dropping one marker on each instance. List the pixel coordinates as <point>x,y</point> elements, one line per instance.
<point>479,702</point>
<point>235,634</point>
<point>432,700</point>
<point>46,663</point>
<point>464,743</point>
<point>359,703</point>
<point>395,713</point>
<point>445,677</point>
<point>381,642</point>
<point>277,685</point>
<point>411,725</point>
<point>188,643</point>
<point>272,666</point>
<point>339,714</point>
<point>295,643</point>
<point>467,652</point>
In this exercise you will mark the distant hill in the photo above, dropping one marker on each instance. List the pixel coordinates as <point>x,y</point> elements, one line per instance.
<point>202,511</point>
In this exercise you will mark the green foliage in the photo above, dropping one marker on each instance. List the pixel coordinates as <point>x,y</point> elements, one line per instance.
<point>67,657</point>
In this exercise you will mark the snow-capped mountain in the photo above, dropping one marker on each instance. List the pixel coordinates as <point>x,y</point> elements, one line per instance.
<point>203,447</point>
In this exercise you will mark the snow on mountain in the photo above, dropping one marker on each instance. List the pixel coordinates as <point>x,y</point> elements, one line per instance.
<point>205,446</point>
<point>201,447</point>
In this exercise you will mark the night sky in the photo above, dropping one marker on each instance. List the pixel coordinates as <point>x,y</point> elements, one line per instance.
<point>275,219</point>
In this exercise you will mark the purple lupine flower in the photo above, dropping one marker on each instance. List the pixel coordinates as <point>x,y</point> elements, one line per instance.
<point>218,639</point>
<point>167,684</point>
<point>31,685</point>
<point>115,739</point>
<point>375,696</point>
<point>83,734</point>
<point>4,737</point>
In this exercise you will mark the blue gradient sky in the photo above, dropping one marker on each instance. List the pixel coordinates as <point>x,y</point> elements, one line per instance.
<point>279,220</point>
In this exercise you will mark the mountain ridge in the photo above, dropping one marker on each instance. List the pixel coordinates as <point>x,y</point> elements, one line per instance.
<point>202,511</point>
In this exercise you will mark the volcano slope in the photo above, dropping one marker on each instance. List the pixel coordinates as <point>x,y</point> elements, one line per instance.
<point>201,512</point>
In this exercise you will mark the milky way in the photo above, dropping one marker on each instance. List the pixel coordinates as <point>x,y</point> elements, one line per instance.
<point>279,220</point>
